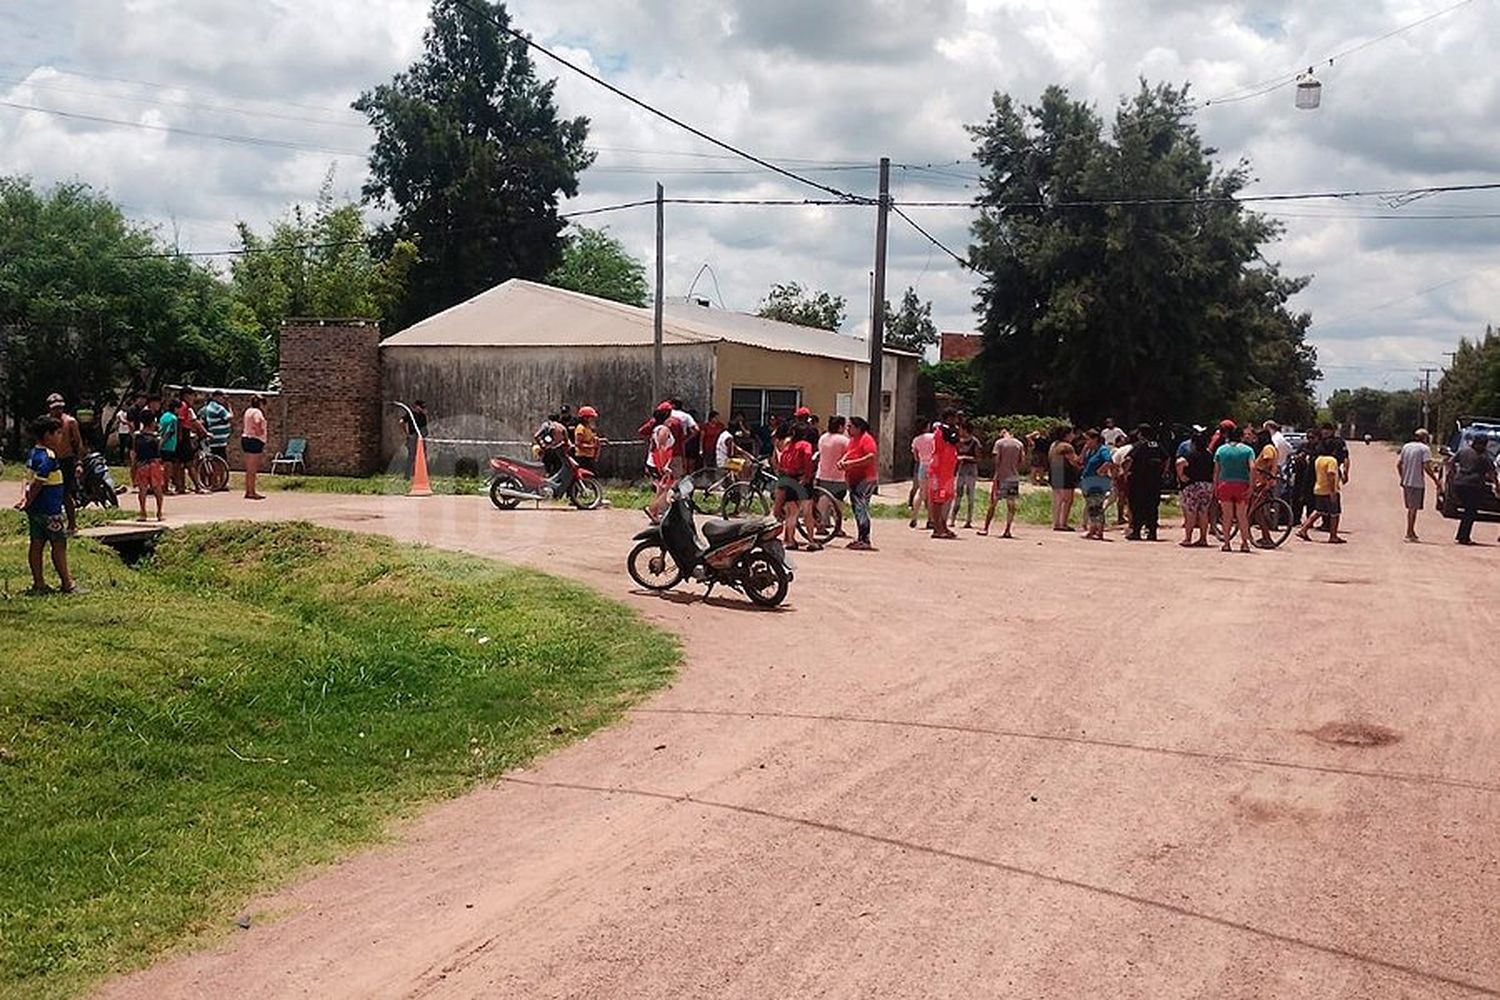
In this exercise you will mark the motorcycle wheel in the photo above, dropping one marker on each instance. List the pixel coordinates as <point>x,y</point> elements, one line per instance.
<point>741,500</point>
<point>651,567</point>
<point>106,497</point>
<point>508,482</point>
<point>763,579</point>
<point>586,494</point>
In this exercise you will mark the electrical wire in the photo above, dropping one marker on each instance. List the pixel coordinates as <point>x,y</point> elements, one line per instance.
<point>489,17</point>
<point>1218,200</point>
<point>47,85</point>
<point>932,239</point>
<point>244,140</point>
<point>1266,86</point>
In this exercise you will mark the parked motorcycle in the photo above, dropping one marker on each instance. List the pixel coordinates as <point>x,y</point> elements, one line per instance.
<point>512,482</point>
<point>746,554</point>
<point>96,485</point>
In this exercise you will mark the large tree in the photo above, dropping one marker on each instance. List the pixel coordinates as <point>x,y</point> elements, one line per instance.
<point>1119,276</point>
<point>317,262</point>
<point>789,302</point>
<point>596,263</point>
<point>91,303</point>
<point>912,328</point>
<point>471,154</point>
<point>1471,385</point>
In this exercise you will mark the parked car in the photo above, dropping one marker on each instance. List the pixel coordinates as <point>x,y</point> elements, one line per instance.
<point>1467,427</point>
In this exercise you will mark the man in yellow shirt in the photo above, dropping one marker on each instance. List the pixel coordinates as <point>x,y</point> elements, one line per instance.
<point>1326,500</point>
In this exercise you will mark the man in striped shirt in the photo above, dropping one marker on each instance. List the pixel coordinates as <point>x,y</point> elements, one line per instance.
<point>216,417</point>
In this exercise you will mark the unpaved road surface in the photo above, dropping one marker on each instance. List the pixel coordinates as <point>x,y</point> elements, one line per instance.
<point>1037,768</point>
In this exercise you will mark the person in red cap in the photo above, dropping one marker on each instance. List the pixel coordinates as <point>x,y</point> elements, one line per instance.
<point>1228,433</point>
<point>586,440</point>
<point>676,428</point>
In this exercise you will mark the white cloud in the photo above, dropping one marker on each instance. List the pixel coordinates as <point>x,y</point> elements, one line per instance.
<point>844,82</point>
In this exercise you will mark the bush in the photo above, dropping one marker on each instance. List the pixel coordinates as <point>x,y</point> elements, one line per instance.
<point>466,467</point>
<point>1020,424</point>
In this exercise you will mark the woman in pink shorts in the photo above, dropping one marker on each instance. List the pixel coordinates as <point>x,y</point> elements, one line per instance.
<point>1232,462</point>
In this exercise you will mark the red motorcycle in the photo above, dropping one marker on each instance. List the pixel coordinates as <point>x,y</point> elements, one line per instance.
<point>512,482</point>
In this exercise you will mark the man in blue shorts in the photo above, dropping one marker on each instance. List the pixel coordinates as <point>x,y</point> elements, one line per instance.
<point>43,504</point>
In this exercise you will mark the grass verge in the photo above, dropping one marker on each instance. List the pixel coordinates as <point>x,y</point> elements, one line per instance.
<point>254,699</point>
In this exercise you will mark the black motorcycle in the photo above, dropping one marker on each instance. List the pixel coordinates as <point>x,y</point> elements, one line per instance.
<point>96,485</point>
<point>746,554</point>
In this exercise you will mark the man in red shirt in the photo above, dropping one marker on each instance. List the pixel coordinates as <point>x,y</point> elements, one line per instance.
<point>710,437</point>
<point>860,465</point>
<point>794,491</point>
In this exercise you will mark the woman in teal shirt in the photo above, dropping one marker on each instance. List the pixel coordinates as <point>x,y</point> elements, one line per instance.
<point>1095,481</point>
<point>1232,463</point>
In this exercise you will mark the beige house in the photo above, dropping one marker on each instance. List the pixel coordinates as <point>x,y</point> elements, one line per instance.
<point>490,368</point>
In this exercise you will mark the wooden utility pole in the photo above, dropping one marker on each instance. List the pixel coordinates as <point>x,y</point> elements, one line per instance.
<point>1426,398</point>
<point>877,304</point>
<point>661,265</point>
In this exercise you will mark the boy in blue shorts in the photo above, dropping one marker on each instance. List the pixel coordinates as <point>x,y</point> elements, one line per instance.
<point>43,504</point>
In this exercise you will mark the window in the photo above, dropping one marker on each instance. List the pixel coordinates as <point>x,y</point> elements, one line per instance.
<point>760,405</point>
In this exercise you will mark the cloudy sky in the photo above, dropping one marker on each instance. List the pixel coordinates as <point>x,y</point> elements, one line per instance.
<point>824,87</point>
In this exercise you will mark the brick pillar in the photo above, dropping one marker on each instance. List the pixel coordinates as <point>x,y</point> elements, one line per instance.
<point>330,381</point>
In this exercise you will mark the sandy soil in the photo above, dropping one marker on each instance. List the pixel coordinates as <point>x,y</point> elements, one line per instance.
<point>1035,768</point>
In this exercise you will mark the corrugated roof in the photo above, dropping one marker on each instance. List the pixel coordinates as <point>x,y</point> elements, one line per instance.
<point>526,314</point>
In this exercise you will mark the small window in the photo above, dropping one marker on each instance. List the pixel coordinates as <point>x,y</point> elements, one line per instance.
<point>761,405</point>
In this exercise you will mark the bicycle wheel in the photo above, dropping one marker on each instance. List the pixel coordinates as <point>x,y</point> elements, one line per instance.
<point>1216,523</point>
<point>1273,520</point>
<point>214,472</point>
<point>708,490</point>
<point>828,517</point>
<point>744,500</point>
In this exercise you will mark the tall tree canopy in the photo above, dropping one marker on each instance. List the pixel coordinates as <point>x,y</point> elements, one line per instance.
<point>317,262</point>
<point>912,328</point>
<point>1471,385</point>
<point>596,263</point>
<point>791,303</point>
<point>470,152</point>
<point>1159,311</point>
<point>91,303</point>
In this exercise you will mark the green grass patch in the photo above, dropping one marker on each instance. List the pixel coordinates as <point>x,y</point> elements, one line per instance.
<point>256,698</point>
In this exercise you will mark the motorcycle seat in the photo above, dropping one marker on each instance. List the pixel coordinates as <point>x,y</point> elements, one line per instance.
<point>723,531</point>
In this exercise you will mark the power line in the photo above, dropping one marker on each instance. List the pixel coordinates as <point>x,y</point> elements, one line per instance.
<point>1266,86</point>
<point>489,17</point>
<point>1216,199</point>
<point>193,105</point>
<point>244,140</point>
<point>931,238</point>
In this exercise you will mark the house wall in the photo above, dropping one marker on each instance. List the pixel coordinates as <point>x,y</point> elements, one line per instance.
<point>493,394</point>
<point>819,379</point>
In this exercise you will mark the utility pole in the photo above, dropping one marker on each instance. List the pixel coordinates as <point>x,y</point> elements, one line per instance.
<point>877,306</point>
<point>1426,397</point>
<point>661,265</point>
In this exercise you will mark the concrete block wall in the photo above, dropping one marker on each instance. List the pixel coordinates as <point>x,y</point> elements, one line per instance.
<point>330,381</point>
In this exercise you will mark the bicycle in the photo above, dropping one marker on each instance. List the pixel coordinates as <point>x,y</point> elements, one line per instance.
<point>213,471</point>
<point>1268,513</point>
<point>754,496</point>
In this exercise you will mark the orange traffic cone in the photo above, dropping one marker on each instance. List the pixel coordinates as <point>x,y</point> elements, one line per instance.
<point>420,486</point>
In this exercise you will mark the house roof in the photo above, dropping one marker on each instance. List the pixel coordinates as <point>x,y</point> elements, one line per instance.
<point>521,313</point>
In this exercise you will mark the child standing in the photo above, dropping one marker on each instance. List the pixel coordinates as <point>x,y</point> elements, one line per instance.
<point>1326,500</point>
<point>43,504</point>
<point>146,469</point>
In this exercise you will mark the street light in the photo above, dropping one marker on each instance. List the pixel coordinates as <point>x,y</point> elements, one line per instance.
<point>1309,91</point>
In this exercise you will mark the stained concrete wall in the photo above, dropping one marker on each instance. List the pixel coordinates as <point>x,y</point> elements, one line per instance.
<point>502,393</point>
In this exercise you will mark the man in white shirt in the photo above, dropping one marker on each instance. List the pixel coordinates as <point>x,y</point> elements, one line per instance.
<point>1282,445</point>
<point>1415,462</point>
<point>1111,434</point>
<point>724,449</point>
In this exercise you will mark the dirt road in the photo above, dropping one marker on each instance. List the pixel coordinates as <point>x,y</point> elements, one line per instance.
<point>1037,768</point>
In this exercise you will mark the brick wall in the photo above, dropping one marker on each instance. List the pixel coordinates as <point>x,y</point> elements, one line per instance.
<point>330,384</point>
<point>959,346</point>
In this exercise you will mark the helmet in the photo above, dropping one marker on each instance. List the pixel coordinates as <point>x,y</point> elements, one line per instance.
<point>584,412</point>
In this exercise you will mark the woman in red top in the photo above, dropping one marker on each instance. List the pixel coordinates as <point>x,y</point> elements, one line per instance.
<point>859,465</point>
<point>942,474</point>
<point>794,489</point>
